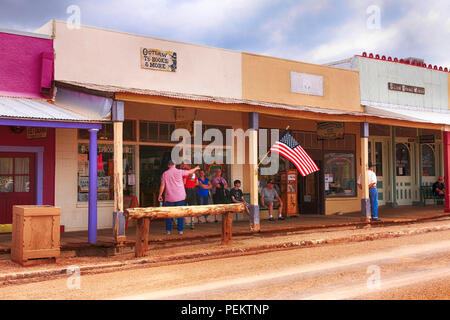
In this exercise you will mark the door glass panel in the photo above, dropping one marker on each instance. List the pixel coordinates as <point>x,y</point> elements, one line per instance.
<point>22,184</point>
<point>428,161</point>
<point>22,166</point>
<point>6,184</point>
<point>379,158</point>
<point>6,166</point>
<point>402,163</point>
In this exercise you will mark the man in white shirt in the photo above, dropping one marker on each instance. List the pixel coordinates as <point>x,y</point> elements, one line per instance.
<point>373,192</point>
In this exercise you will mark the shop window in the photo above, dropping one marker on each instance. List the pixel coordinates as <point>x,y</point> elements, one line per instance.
<point>339,170</point>
<point>129,130</point>
<point>14,175</point>
<point>402,160</point>
<point>105,171</point>
<point>151,131</point>
<point>428,161</point>
<point>107,132</point>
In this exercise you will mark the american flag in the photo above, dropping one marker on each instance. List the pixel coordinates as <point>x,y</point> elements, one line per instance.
<point>289,148</point>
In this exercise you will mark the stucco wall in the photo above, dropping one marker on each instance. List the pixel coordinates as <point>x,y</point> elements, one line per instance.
<point>21,64</point>
<point>268,79</point>
<point>375,75</point>
<point>98,56</point>
<point>74,215</point>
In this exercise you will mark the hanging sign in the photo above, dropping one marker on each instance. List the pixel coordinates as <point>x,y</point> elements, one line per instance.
<point>330,130</point>
<point>405,88</point>
<point>429,138</point>
<point>158,60</point>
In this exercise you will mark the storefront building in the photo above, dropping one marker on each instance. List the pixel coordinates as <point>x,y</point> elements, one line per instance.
<point>164,85</point>
<point>410,156</point>
<point>29,117</point>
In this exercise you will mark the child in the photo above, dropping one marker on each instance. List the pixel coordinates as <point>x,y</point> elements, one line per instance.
<point>238,197</point>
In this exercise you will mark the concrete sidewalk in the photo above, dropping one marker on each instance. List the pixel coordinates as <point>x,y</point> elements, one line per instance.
<point>189,250</point>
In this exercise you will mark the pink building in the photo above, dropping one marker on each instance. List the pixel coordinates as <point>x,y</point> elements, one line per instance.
<point>29,117</point>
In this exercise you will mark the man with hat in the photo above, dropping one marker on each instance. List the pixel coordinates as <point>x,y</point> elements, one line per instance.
<point>439,188</point>
<point>373,191</point>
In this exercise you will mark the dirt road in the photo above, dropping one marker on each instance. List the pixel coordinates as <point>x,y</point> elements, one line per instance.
<point>410,267</point>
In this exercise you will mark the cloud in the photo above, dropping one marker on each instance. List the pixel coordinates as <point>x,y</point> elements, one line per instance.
<point>315,31</point>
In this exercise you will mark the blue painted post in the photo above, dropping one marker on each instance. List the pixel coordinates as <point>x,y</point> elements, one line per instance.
<point>92,224</point>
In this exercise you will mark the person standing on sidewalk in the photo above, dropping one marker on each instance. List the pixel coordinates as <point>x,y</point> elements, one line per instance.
<point>204,185</point>
<point>173,188</point>
<point>189,185</point>
<point>373,191</point>
<point>219,184</point>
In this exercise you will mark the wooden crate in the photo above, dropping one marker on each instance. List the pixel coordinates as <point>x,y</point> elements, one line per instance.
<point>35,234</point>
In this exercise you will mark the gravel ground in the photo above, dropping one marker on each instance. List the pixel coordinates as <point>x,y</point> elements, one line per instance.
<point>177,252</point>
<point>330,269</point>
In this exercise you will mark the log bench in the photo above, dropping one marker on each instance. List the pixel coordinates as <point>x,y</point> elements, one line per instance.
<point>145,215</point>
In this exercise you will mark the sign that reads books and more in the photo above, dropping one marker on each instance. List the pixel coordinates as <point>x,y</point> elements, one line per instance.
<point>158,60</point>
<point>405,88</point>
<point>330,130</point>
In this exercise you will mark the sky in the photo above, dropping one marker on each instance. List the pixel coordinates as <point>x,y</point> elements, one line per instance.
<point>314,31</point>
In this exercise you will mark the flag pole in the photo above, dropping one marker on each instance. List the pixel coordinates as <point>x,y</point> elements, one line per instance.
<point>265,156</point>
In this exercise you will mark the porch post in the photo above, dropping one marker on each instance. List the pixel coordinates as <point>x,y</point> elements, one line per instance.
<point>118,218</point>
<point>92,224</point>
<point>394,170</point>
<point>253,159</point>
<point>447,169</point>
<point>365,203</point>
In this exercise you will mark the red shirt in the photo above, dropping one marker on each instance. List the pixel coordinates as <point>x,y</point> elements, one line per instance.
<point>191,181</point>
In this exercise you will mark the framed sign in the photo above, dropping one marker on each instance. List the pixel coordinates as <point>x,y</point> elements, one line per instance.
<point>158,60</point>
<point>429,138</point>
<point>330,130</point>
<point>36,133</point>
<point>405,88</point>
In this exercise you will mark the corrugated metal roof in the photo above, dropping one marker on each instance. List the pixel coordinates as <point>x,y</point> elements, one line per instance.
<point>24,108</point>
<point>194,97</point>
<point>405,113</point>
<point>371,109</point>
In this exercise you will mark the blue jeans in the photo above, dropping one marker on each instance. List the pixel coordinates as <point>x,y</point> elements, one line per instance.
<point>373,194</point>
<point>203,200</point>
<point>180,220</point>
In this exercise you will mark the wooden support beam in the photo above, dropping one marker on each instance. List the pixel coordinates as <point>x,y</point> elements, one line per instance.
<point>282,112</point>
<point>142,229</point>
<point>227,225</point>
<point>118,179</point>
<point>185,211</point>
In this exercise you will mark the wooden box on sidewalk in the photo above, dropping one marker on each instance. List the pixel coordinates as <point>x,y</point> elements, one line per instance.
<point>35,234</point>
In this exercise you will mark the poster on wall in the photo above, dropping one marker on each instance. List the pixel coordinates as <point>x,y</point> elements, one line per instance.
<point>330,130</point>
<point>158,60</point>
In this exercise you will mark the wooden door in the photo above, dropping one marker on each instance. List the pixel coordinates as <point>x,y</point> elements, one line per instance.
<point>17,182</point>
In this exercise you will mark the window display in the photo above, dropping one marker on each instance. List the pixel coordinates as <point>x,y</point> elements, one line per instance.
<point>340,174</point>
<point>105,171</point>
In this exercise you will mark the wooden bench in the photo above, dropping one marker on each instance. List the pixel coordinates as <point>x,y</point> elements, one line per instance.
<point>145,215</point>
<point>426,192</point>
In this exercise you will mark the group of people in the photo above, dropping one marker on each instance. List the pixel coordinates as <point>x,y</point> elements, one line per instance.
<point>184,187</point>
